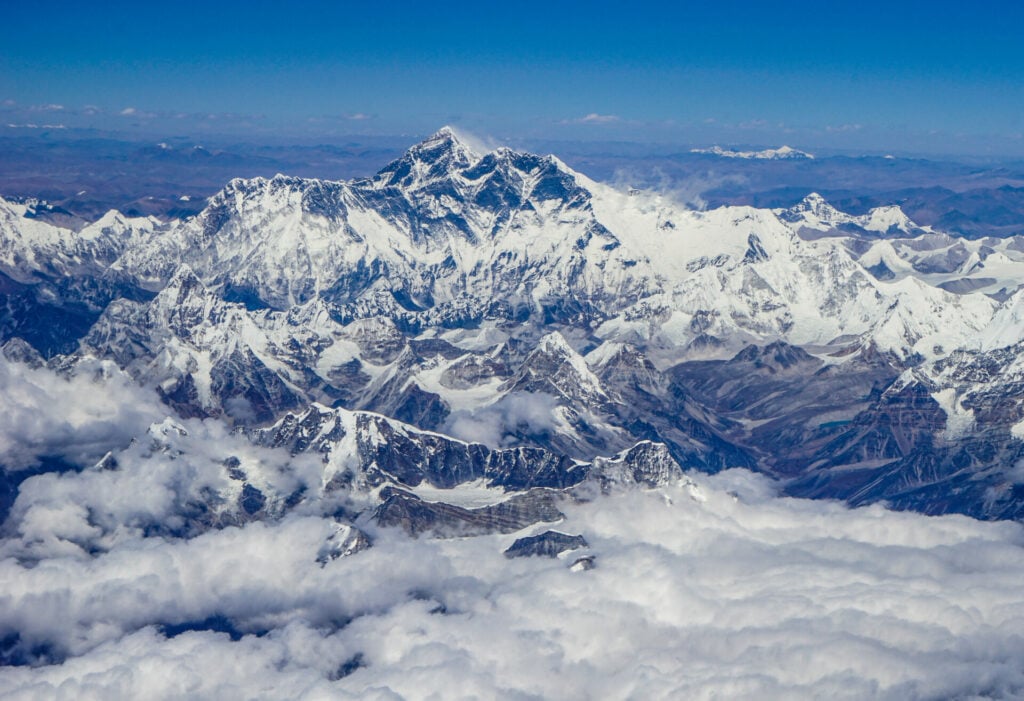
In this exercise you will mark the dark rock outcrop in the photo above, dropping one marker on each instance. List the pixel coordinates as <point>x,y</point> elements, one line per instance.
<point>415,516</point>
<point>547,544</point>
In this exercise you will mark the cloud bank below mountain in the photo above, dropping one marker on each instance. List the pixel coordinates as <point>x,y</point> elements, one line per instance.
<point>76,419</point>
<point>722,591</point>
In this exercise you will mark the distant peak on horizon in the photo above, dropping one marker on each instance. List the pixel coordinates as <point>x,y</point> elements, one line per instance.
<point>771,154</point>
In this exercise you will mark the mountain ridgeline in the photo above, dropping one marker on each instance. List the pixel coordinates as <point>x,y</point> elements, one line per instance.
<point>501,320</point>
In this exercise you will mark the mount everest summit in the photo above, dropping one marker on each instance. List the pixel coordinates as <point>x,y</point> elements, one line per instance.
<point>498,319</point>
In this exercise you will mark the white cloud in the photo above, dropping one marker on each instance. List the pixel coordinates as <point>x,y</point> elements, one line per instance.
<point>173,479</point>
<point>36,126</point>
<point>748,596</point>
<point>78,419</point>
<point>593,118</point>
<point>687,191</point>
<point>496,424</point>
<point>135,112</point>
<point>480,145</point>
<point>841,128</point>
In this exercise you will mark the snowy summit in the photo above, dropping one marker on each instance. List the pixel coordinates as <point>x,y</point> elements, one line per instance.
<point>783,153</point>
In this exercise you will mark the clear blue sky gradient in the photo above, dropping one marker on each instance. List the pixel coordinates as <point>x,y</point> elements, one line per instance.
<point>938,76</point>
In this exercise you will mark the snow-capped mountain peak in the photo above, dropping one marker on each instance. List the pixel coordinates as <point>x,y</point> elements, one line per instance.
<point>435,157</point>
<point>771,154</point>
<point>814,212</point>
<point>30,246</point>
<point>460,289</point>
<point>816,206</point>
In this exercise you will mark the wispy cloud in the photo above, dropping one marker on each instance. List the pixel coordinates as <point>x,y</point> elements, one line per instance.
<point>30,125</point>
<point>343,117</point>
<point>688,191</point>
<point>593,118</point>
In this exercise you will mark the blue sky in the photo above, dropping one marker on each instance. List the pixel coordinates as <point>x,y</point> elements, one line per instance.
<point>932,77</point>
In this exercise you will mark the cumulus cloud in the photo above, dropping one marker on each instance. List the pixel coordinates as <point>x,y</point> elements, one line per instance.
<point>77,419</point>
<point>593,118</point>
<point>175,479</point>
<point>146,665</point>
<point>499,425</point>
<point>732,593</point>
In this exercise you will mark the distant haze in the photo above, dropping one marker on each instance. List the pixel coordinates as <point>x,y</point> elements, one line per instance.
<point>941,78</point>
<point>82,174</point>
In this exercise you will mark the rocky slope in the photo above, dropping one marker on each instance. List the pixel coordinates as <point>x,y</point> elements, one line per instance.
<point>527,320</point>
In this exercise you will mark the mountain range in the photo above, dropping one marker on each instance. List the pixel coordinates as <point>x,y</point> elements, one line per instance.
<point>497,323</point>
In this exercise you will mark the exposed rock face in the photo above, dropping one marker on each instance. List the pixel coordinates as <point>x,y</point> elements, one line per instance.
<point>784,405</point>
<point>547,544</point>
<point>18,351</point>
<point>371,449</point>
<point>206,356</point>
<point>646,464</point>
<point>516,321</point>
<point>344,542</point>
<point>584,564</point>
<point>364,451</point>
<point>415,516</point>
<point>943,437</point>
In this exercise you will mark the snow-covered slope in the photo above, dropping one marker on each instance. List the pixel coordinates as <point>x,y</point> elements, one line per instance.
<point>814,214</point>
<point>888,244</point>
<point>437,230</point>
<point>504,298</point>
<point>771,154</point>
<point>445,236</point>
<point>29,246</point>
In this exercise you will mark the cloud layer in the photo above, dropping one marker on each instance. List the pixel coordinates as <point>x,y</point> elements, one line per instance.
<point>496,425</point>
<point>77,419</point>
<point>725,592</point>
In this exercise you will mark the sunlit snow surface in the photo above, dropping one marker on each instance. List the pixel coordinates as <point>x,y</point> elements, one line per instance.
<point>714,588</point>
<point>740,594</point>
